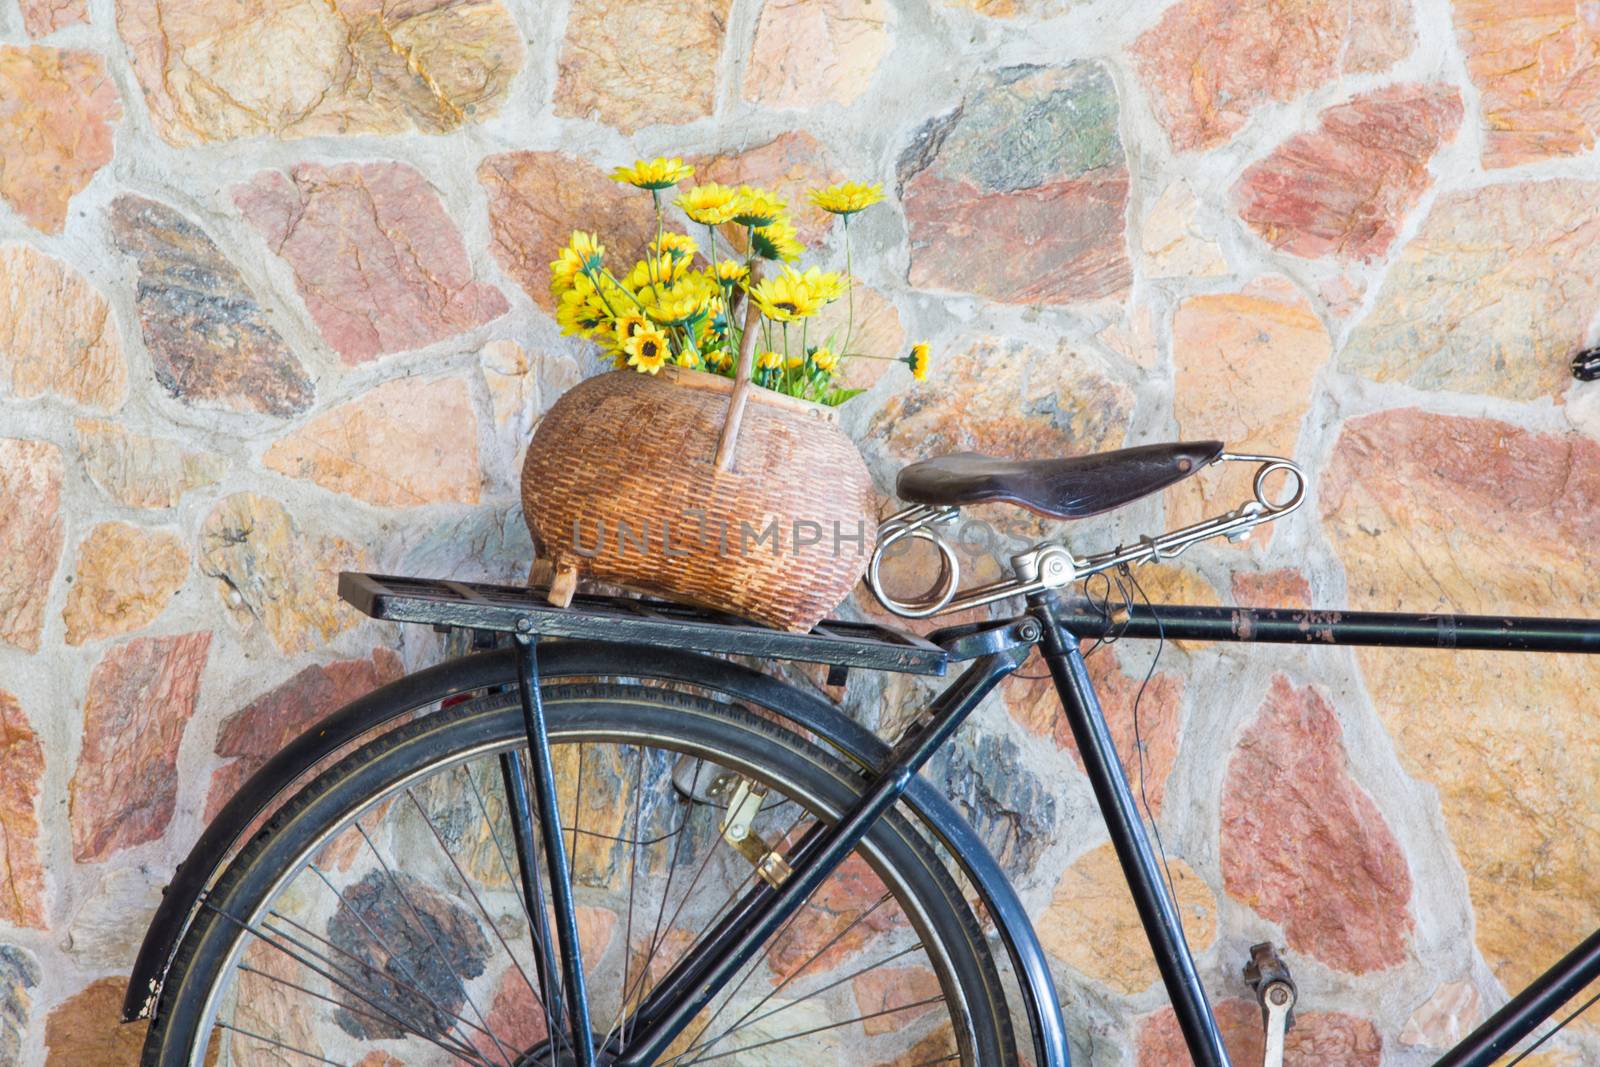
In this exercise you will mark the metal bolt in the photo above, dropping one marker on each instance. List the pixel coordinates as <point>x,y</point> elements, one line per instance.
<point>1029,630</point>
<point>1279,995</point>
<point>524,625</point>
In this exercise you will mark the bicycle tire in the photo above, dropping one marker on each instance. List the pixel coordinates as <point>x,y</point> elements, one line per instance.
<point>438,741</point>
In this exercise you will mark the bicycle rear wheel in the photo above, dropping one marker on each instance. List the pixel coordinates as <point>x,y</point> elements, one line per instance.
<point>381,918</point>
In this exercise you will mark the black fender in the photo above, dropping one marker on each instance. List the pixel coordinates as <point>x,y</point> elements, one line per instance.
<point>566,659</point>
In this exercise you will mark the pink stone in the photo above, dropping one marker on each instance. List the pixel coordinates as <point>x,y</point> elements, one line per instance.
<point>141,695</point>
<point>516,1017</point>
<point>830,928</point>
<point>810,52</point>
<point>44,17</point>
<point>407,442</point>
<point>1318,1039</point>
<point>636,63</point>
<point>1536,64</point>
<point>1345,188</point>
<point>258,730</point>
<point>1210,64</point>
<point>381,266</point>
<point>1319,859</point>
<point>57,109</point>
<point>21,772</point>
<point>30,536</point>
<point>1282,588</point>
<point>884,995</point>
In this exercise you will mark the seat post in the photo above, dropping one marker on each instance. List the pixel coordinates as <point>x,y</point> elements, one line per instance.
<point>1157,910</point>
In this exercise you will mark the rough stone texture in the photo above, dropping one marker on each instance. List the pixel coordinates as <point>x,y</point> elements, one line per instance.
<point>885,995</point>
<point>612,68</point>
<point>536,200</point>
<point>107,927</point>
<point>139,471</point>
<point>1491,296</point>
<point>267,572</point>
<point>43,17</point>
<point>22,900</point>
<point>1321,861</point>
<point>406,443</point>
<point>1218,342</point>
<point>379,264</point>
<point>1012,808</point>
<point>125,577</point>
<point>808,53</point>
<point>1211,64</point>
<point>1318,1039</point>
<point>1006,9</point>
<point>516,1017</point>
<point>1034,703</point>
<point>1281,588</point>
<point>790,164</point>
<point>57,110</point>
<point>30,536</point>
<point>56,332</point>
<point>1172,245</point>
<point>878,330</point>
<point>257,731</point>
<point>1449,1015</point>
<point>1019,194</point>
<point>523,384</point>
<point>88,1028</point>
<point>420,945</point>
<point>141,695</point>
<point>217,73</point>
<point>1518,748</point>
<point>831,926</point>
<point>1092,926</point>
<point>1345,188</point>
<point>19,975</point>
<point>1537,70</point>
<point>209,339</point>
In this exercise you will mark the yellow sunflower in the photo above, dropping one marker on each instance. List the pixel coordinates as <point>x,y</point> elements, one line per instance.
<point>582,253</point>
<point>730,271</point>
<point>918,361</point>
<point>678,308</point>
<point>769,360</point>
<point>710,204</point>
<point>846,198</point>
<point>757,207</point>
<point>777,241</point>
<point>825,286</point>
<point>657,272</point>
<point>648,350</point>
<point>625,326</point>
<point>825,359</point>
<point>581,311</point>
<point>676,245</point>
<point>658,173</point>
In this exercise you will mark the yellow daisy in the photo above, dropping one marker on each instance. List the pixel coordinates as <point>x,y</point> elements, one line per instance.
<point>582,253</point>
<point>918,361</point>
<point>795,361</point>
<point>581,310</point>
<point>649,274</point>
<point>678,308</point>
<point>625,326</point>
<point>777,241</point>
<point>846,198</point>
<point>648,350</point>
<point>769,360</point>
<point>655,174</point>
<point>757,207</point>
<point>825,359</point>
<point>710,204</point>
<point>676,245</point>
<point>731,271</point>
<point>825,286</point>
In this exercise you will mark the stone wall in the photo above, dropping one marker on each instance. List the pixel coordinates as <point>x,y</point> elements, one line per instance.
<point>271,304</point>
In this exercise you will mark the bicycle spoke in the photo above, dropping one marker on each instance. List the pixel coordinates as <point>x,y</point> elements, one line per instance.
<point>819,1029</point>
<point>278,1044</point>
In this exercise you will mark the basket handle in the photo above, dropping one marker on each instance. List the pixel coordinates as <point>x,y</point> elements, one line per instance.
<point>727,443</point>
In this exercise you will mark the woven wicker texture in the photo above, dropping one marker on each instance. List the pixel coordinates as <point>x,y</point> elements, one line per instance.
<point>627,453</point>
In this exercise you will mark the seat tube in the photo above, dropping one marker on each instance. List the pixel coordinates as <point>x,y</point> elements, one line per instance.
<point>1157,910</point>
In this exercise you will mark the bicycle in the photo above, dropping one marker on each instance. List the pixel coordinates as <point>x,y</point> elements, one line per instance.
<point>768,842</point>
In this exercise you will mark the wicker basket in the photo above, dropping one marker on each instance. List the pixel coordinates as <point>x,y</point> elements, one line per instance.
<point>691,487</point>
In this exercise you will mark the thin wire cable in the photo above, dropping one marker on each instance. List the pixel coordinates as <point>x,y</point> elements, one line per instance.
<point>1525,1053</point>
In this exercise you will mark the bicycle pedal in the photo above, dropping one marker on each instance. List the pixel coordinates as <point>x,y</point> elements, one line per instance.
<point>1275,991</point>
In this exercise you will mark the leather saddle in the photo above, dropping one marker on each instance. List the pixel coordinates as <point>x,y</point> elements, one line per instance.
<point>1074,487</point>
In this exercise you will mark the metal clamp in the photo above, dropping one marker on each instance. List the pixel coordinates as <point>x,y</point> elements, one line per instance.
<point>1269,976</point>
<point>1053,566</point>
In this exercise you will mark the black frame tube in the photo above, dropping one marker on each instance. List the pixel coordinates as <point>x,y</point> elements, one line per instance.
<point>827,850</point>
<point>1158,912</point>
<point>575,992</point>
<point>1316,626</point>
<point>1525,1011</point>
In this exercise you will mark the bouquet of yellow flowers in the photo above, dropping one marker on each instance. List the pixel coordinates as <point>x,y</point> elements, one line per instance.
<point>683,303</point>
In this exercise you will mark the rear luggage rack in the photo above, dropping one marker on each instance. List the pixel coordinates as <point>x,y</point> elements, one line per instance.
<point>658,623</point>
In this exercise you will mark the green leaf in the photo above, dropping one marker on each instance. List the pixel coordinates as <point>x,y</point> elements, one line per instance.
<point>834,397</point>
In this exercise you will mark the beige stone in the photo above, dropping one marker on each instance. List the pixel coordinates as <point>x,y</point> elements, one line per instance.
<point>22,900</point>
<point>811,52</point>
<point>1429,512</point>
<point>1174,246</point>
<point>312,68</point>
<point>1245,365</point>
<point>407,442</point>
<point>1091,924</point>
<point>613,68</point>
<point>126,576</point>
<point>268,573</point>
<point>30,536</point>
<point>43,17</point>
<point>140,471</point>
<point>56,332</point>
<point>523,384</point>
<point>1446,1017</point>
<point>1491,295</point>
<point>866,322</point>
<point>57,110</point>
